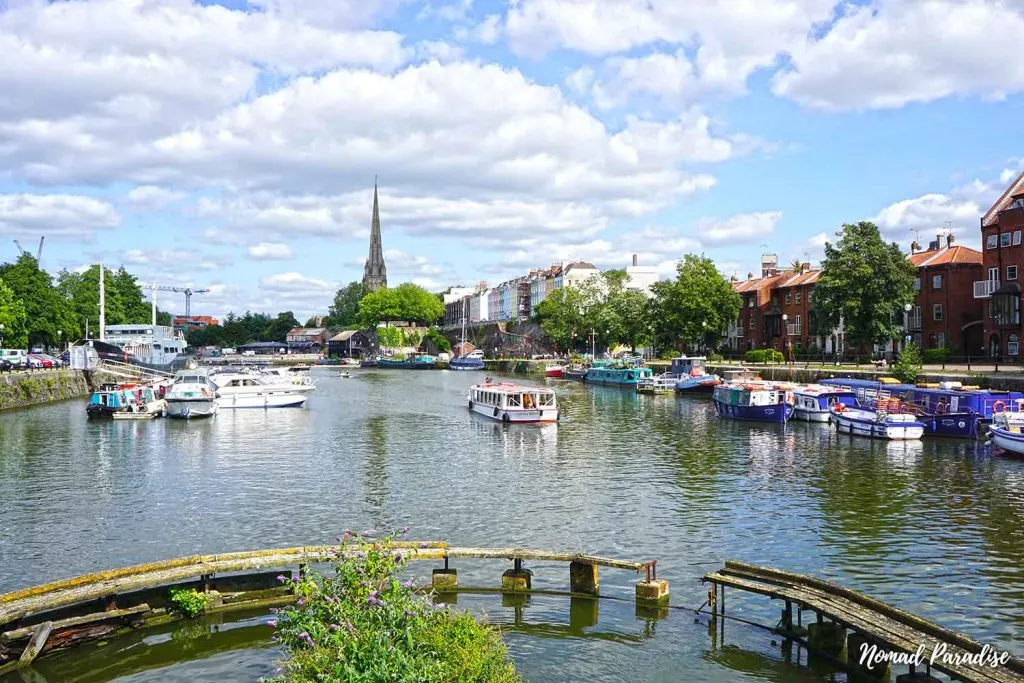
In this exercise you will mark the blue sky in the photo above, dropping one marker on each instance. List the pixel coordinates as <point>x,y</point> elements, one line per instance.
<point>234,145</point>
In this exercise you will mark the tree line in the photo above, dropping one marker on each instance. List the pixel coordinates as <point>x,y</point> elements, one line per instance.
<point>36,308</point>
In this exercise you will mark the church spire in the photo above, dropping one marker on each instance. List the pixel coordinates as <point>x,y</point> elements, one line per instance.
<point>375,274</point>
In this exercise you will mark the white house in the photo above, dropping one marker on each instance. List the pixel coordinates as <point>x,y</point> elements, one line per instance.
<point>640,278</point>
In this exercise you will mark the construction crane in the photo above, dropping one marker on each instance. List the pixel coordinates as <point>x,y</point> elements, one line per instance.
<point>187,291</point>
<point>39,251</point>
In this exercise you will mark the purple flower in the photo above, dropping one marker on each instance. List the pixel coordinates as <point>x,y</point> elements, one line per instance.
<point>424,544</point>
<point>301,602</point>
<point>398,557</point>
<point>404,530</point>
<point>338,539</point>
<point>305,637</point>
<point>368,533</point>
<point>281,578</point>
<point>334,627</point>
<point>441,605</point>
<point>272,623</point>
<point>374,594</point>
<point>409,584</point>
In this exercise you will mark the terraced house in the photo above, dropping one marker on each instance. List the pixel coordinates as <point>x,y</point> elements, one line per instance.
<point>998,290</point>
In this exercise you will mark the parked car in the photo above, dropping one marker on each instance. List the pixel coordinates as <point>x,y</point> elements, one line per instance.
<point>6,365</point>
<point>475,354</point>
<point>38,361</point>
<point>38,348</point>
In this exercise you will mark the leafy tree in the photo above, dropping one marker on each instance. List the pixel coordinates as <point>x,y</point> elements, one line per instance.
<point>908,365</point>
<point>277,329</point>
<point>13,318</point>
<point>629,310</point>
<point>864,283</point>
<point>48,315</point>
<point>562,314</point>
<point>125,300</point>
<point>407,302</point>
<point>344,312</point>
<point>694,308</point>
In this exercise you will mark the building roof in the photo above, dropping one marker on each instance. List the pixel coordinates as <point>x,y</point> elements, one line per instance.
<point>793,279</point>
<point>307,331</point>
<point>1015,188</point>
<point>946,255</point>
<point>345,335</point>
<point>581,265</point>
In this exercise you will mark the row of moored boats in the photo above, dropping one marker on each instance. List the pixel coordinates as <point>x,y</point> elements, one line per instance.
<point>199,392</point>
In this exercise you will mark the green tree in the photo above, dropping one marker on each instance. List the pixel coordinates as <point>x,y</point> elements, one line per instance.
<point>276,330</point>
<point>629,311</point>
<point>908,365</point>
<point>13,318</point>
<point>864,282</point>
<point>407,302</point>
<point>694,308</point>
<point>125,301</point>
<point>49,317</point>
<point>563,314</point>
<point>344,312</point>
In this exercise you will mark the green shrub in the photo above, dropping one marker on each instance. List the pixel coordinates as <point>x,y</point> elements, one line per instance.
<point>908,366</point>
<point>389,336</point>
<point>934,356</point>
<point>188,601</point>
<point>764,356</point>
<point>438,340</point>
<point>716,358</point>
<point>363,624</point>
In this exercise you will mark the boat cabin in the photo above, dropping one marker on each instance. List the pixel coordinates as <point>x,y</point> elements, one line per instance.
<point>689,365</point>
<point>512,396</point>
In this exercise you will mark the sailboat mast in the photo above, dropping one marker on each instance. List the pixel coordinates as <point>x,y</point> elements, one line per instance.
<point>103,305</point>
<point>153,300</point>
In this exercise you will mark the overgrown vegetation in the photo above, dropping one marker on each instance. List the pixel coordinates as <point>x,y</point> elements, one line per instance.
<point>187,601</point>
<point>764,356</point>
<point>364,624</point>
<point>934,356</point>
<point>908,366</point>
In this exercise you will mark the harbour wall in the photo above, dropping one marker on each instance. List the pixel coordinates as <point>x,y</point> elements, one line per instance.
<point>796,374</point>
<point>23,389</point>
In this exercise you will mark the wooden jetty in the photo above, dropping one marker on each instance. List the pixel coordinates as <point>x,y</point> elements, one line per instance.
<point>59,614</point>
<point>837,609</point>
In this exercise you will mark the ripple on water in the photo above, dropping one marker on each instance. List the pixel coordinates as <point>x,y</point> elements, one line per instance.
<point>933,527</point>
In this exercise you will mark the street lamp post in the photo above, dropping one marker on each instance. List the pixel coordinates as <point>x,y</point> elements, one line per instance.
<point>785,332</point>
<point>906,323</point>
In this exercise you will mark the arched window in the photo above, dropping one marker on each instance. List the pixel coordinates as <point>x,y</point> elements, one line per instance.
<point>931,341</point>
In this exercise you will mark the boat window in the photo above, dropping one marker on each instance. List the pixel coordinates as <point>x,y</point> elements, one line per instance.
<point>515,400</point>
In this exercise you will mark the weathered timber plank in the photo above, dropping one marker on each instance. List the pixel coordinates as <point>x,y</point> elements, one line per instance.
<point>883,628</point>
<point>36,643</point>
<point>936,631</point>
<point>543,556</point>
<point>113,615</point>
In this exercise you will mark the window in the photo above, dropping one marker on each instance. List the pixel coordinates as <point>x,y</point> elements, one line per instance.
<point>750,302</point>
<point>788,297</point>
<point>936,282</point>
<point>1004,239</point>
<point>917,284</point>
<point>1012,345</point>
<point>992,241</point>
<point>941,341</point>
<point>1017,203</point>
<point>937,312</point>
<point>810,293</point>
<point>1016,237</point>
<point>931,341</point>
<point>798,298</point>
<point>1011,272</point>
<point>798,324</point>
<point>751,321</point>
<point>993,275</point>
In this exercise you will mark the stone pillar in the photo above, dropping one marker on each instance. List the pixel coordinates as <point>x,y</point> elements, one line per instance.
<point>858,647</point>
<point>827,637</point>
<point>583,578</point>
<point>518,579</point>
<point>655,591</point>
<point>446,578</point>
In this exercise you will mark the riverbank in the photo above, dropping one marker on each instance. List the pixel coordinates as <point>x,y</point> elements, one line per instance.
<point>797,373</point>
<point>24,389</point>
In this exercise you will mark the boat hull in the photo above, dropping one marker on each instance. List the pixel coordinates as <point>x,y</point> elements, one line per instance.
<point>467,364</point>
<point>698,385</point>
<point>557,372</point>
<point>578,375</point>
<point>514,416</point>
<point>875,429</point>
<point>808,415</point>
<point>264,401</point>
<point>1010,442</point>
<point>958,425</point>
<point>191,408</point>
<point>778,412</point>
<point>404,365</point>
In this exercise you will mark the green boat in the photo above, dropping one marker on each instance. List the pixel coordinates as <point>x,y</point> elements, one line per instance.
<point>418,362</point>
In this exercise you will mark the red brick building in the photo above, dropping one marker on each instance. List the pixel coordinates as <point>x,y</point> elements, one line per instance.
<point>945,313</point>
<point>999,284</point>
<point>776,310</point>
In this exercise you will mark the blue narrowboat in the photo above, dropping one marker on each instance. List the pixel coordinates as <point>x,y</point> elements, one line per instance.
<point>759,402</point>
<point>109,399</point>
<point>693,375</point>
<point>617,377</point>
<point>948,410</point>
<point>420,362</point>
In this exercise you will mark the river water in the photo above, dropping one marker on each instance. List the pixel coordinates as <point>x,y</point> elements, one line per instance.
<point>934,527</point>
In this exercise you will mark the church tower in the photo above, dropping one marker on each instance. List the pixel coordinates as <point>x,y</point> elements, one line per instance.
<point>375,274</point>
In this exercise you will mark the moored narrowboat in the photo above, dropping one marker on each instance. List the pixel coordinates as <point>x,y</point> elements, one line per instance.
<point>754,401</point>
<point>617,377</point>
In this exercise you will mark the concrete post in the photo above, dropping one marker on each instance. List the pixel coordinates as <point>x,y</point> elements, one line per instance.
<point>654,591</point>
<point>583,578</point>
<point>446,578</point>
<point>517,580</point>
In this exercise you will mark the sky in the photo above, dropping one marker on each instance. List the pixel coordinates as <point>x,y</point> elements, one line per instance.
<point>234,146</point>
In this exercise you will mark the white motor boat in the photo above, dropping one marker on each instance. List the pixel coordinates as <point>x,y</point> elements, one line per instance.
<point>192,394</point>
<point>293,379</point>
<point>1005,432</point>
<point>878,424</point>
<point>245,390</point>
<point>513,403</point>
<point>814,402</point>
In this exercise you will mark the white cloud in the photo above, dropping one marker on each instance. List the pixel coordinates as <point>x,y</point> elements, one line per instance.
<point>292,282</point>
<point>486,32</point>
<point>893,52</point>
<point>171,261</point>
<point>438,50</point>
<point>302,294</point>
<point>57,216</point>
<point>929,212</point>
<point>669,77</point>
<point>270,251</point>
<point>152,198</point>
<point>738,229</point>
<point>399,262</point>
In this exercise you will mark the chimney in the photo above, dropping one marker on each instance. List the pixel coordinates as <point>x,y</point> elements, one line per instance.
<point>950,239</point>
<point>750,276</point>
<point>634,260</point>
<point>805,267</point>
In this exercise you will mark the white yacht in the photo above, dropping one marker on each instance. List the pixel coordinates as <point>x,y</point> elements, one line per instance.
<point>250,390</point>
<point>192,394</point>
<point>295,378</point>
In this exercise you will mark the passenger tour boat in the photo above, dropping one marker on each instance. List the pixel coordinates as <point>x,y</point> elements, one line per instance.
<point>881,422</point>
<point>510,403</point>
<point>756,401</point>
